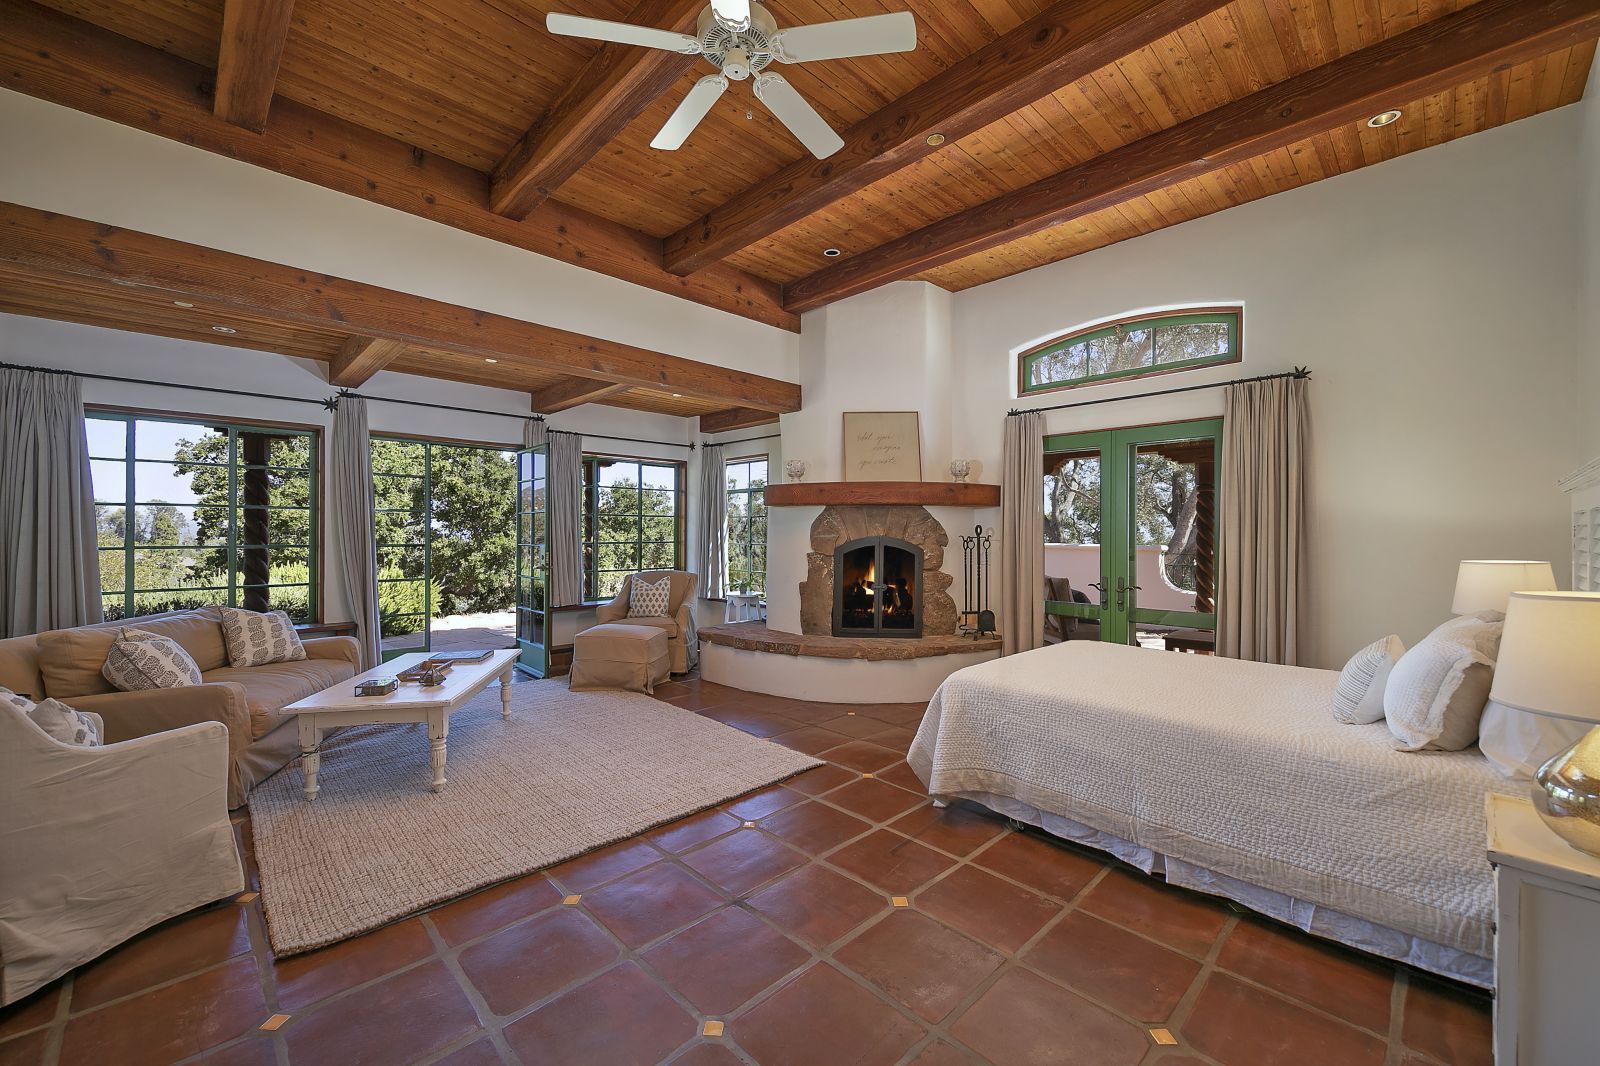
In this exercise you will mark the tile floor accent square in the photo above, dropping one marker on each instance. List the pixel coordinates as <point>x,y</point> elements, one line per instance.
<point>274,1023</point>
<point>571,901</point>
<point>711,1029</point>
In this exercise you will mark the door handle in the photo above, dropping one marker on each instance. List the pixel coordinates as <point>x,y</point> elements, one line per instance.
<point>1123,588</point>
<point>1105,596</point>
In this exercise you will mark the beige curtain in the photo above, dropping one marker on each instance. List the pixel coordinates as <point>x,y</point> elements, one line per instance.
<point>354,538</point>
<point>49,557</point>
<point>1022,534</point>
<point>712,536</point>
<point>1262,571</point>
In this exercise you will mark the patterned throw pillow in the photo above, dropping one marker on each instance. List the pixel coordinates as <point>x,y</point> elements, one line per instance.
<point>141,660</point>
<point>58,721</point>
<point>1358,698</point>
<point>258,639</point>
<point>649,599</point>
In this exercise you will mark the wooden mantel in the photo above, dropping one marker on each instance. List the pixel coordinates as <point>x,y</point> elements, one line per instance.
<point>883,493</point>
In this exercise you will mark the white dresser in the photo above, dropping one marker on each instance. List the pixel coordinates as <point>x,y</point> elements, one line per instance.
<point>1547,942</point>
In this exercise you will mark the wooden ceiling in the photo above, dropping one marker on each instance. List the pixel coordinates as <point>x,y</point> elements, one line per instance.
<point>1069,126</point>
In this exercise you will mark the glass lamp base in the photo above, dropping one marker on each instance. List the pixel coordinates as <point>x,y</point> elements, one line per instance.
<point>1566,792</point>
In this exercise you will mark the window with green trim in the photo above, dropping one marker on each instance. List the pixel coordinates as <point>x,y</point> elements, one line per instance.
<point>747,524</point>
<point>633,520</point>
<point>191,513</point>
<point>1134,347</point>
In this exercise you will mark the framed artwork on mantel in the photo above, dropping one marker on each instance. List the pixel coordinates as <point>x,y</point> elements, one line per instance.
<point>882,446</point>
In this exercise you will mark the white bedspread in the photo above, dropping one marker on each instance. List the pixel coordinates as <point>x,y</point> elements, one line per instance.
<point>1234,766</point>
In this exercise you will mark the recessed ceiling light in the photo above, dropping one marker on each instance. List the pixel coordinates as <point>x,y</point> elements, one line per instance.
<point>181,303</point>
<point>832,253</point>
<point>677,396</point>
<point>935,139</point>
<point>491,360</point>
<point>1383,119</point>
<point>223,329</point>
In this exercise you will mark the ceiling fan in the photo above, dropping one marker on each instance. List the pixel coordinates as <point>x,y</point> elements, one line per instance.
<point>741,39</point>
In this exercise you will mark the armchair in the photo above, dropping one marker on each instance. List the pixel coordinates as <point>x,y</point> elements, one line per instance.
<point>99,844</point>
<point>682,643</point>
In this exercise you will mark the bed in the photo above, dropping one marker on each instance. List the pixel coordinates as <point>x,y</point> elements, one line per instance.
<point>1232,778</point>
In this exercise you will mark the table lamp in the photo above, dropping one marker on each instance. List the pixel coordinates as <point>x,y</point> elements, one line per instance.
<point>1550,665</point>
<point>1483,585</point>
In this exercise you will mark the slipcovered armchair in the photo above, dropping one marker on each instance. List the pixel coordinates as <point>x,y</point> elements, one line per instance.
<point>682,643</point>
<point>98,844</point>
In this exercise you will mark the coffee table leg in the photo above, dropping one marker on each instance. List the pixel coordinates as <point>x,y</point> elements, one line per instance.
<point>310,754</point>
<point>438,731</point>
<point>505,693</point>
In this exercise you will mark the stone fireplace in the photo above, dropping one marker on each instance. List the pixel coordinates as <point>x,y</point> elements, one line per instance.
<point>875,572</point>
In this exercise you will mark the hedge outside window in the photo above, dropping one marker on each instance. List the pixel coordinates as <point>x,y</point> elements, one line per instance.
<point>633,520</point>
<point>193,513</point>
<point>747,524</point>
<point>1132,348</point>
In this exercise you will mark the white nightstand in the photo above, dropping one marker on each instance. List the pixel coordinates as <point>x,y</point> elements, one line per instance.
<point>1547,941</point>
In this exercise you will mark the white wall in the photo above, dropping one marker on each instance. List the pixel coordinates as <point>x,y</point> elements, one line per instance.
<point>1589,227</point>
<point>1434,298</point>
<point>57,159</point>
<point>68,346</point>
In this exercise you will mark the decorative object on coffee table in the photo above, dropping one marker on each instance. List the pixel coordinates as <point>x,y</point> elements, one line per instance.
<point>340,706</point>
<point>882,446</point>
<point>959,470</point>
<point>796,470</point>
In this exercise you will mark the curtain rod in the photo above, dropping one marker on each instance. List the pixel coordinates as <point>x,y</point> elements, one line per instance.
<point>1299,373</point>
<point>329,404</point>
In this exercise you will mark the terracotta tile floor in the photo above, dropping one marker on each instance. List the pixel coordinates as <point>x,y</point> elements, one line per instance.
<point>853,922</point>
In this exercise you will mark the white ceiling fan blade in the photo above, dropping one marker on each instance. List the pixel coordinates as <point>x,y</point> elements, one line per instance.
<point>734,14</point>
<point>870,36</point>
<point>802,120</point>
<point>696,105</point>
<point>621,33</point>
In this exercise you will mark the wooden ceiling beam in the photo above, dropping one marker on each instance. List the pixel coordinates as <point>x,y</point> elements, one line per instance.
<point>253,36</point>
<point>67,61</point>
<point>735,418</point>
<point>574,392</point>
<point>46,245</point>
<point>1436,56</point>
<point>613,89</point>
<point>1065,42</point>
<point>361,357</point>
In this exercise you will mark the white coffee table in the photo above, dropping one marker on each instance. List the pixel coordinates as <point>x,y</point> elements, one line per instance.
<point>339,706</point>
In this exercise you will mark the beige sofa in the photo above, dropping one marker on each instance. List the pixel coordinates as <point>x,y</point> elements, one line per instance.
<point>64,664</point>
<point>679,625</point>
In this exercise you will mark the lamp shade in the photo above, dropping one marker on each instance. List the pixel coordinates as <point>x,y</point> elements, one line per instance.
<point>1550,655</point>
<point>1484,584</point>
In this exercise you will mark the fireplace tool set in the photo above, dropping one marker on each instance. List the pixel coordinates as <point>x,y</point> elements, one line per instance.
<point>977,620</point>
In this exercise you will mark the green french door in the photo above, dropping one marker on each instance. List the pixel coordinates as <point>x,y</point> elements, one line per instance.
<point>1131,534</point>
<point>533,560</point>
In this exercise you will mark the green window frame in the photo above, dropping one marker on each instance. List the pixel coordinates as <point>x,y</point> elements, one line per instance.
<point>1161,344</point>
<point>632,524</point>
<point>254,535</point>
<point>747,524</point>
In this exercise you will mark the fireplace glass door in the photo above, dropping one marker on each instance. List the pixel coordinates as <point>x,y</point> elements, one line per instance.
<point>877,589</point>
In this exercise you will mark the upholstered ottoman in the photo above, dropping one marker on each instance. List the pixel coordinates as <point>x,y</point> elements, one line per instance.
<point>616,655</point>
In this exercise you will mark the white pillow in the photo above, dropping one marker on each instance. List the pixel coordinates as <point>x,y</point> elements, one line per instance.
<point>57,720</point>
<point>649,599</point>
<point>1482,631</point>
<point>1436,693</point>
<point>1518,743</point>
<point>1358,698</point>
<point>140,660</point>
<point>255,639</point>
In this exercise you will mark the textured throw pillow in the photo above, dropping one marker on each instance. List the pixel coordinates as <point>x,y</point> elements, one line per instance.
<point>255,639</point>
<point>58,721</point>
<point>1518,743</point>
<point>139,660</point>
<point>1358,698</point>
<point>649,599</point>
<point>1480,632</point>
<point>1436,694</point>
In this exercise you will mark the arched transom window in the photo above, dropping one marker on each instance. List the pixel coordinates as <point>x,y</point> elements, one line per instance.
<point>1132,348</point>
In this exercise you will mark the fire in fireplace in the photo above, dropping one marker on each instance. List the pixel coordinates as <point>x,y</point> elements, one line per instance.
<point>877,588</point>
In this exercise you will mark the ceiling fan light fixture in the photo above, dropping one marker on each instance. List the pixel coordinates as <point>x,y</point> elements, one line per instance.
<point>734,14</point>
<point>1385,118</point>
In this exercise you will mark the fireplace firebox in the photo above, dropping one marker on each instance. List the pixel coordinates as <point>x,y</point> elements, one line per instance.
<point>877,588</point>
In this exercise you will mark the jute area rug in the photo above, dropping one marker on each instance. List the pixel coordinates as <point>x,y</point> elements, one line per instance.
<point>571,771</point>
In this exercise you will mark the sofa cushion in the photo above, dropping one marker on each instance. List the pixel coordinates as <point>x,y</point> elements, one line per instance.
<point>197,632</point>
<point>70,661</point>
<point>140,660</point>
<point>667,625</point>
<point>269,689</point>
<point>618,643</point>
